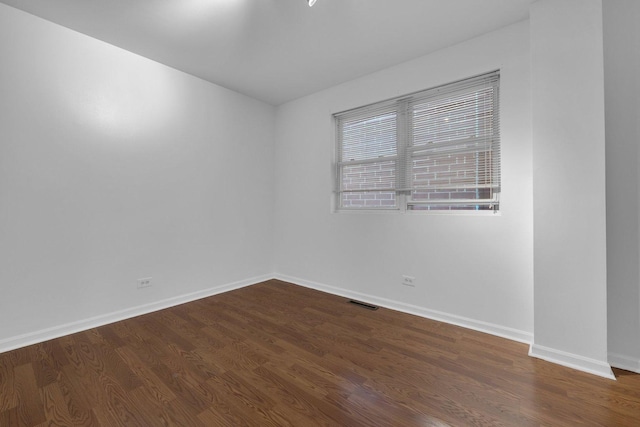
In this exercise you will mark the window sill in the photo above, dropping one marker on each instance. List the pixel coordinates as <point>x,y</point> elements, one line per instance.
<point>418,213</point>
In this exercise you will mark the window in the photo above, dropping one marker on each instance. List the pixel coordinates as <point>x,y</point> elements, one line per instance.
<point>438,149</point>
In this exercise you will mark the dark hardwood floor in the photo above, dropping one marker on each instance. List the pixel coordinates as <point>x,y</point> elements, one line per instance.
<point>275,354</point>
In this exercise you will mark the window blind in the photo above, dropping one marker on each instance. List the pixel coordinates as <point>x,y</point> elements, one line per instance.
<point>435,149</point>
<point>368,155</point>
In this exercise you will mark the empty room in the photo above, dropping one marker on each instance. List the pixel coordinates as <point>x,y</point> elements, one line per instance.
<point>331,213</point>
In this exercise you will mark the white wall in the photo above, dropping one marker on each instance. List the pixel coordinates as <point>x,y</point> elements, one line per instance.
<point>622,102</point>
<point>570,300</point>
<point>113,168</point>
<point>472,270</point>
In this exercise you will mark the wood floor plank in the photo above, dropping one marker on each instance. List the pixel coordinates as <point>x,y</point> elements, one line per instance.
<point>8,398</point>
<point>162,413</point>
<point>285,401</point>
<point>302,401</point>
<point>10,417</point>
<point>151,383</point>
<point>30,406</point>
<point>184,389</point>
<point>276,354</point>
<point>226,409</point>
<point>77,398</point>
<point>55,405</point>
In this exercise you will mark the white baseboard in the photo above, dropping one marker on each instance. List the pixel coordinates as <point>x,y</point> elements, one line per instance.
<point>489,328</point>
<point>93,322</point>
<point>574,361</point>
<point>624,362</point>
<point>552,355</point>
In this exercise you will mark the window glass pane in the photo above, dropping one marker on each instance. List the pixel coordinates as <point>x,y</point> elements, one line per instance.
<point>453,118</point>
<point>369,199</point>
<point>369,176</point>
<point>369,138</point>
<point>450,208</point>
<point>454,171</point>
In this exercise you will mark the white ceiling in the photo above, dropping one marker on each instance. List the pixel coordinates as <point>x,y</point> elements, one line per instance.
<point>279,50</point>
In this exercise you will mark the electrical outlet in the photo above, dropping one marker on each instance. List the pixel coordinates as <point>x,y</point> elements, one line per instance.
<point>408,281</point>
<point>144,283</point>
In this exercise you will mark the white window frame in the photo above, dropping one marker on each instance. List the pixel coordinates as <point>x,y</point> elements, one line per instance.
<point>471,144</point>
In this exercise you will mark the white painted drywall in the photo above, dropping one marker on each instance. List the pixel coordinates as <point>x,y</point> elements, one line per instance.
<point>114,167</point>
<point>622,113</point>
<point>478,268</point>
<point>570,300</point>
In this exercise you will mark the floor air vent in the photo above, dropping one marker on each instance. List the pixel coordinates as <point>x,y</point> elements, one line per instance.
<point>363,304</point>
